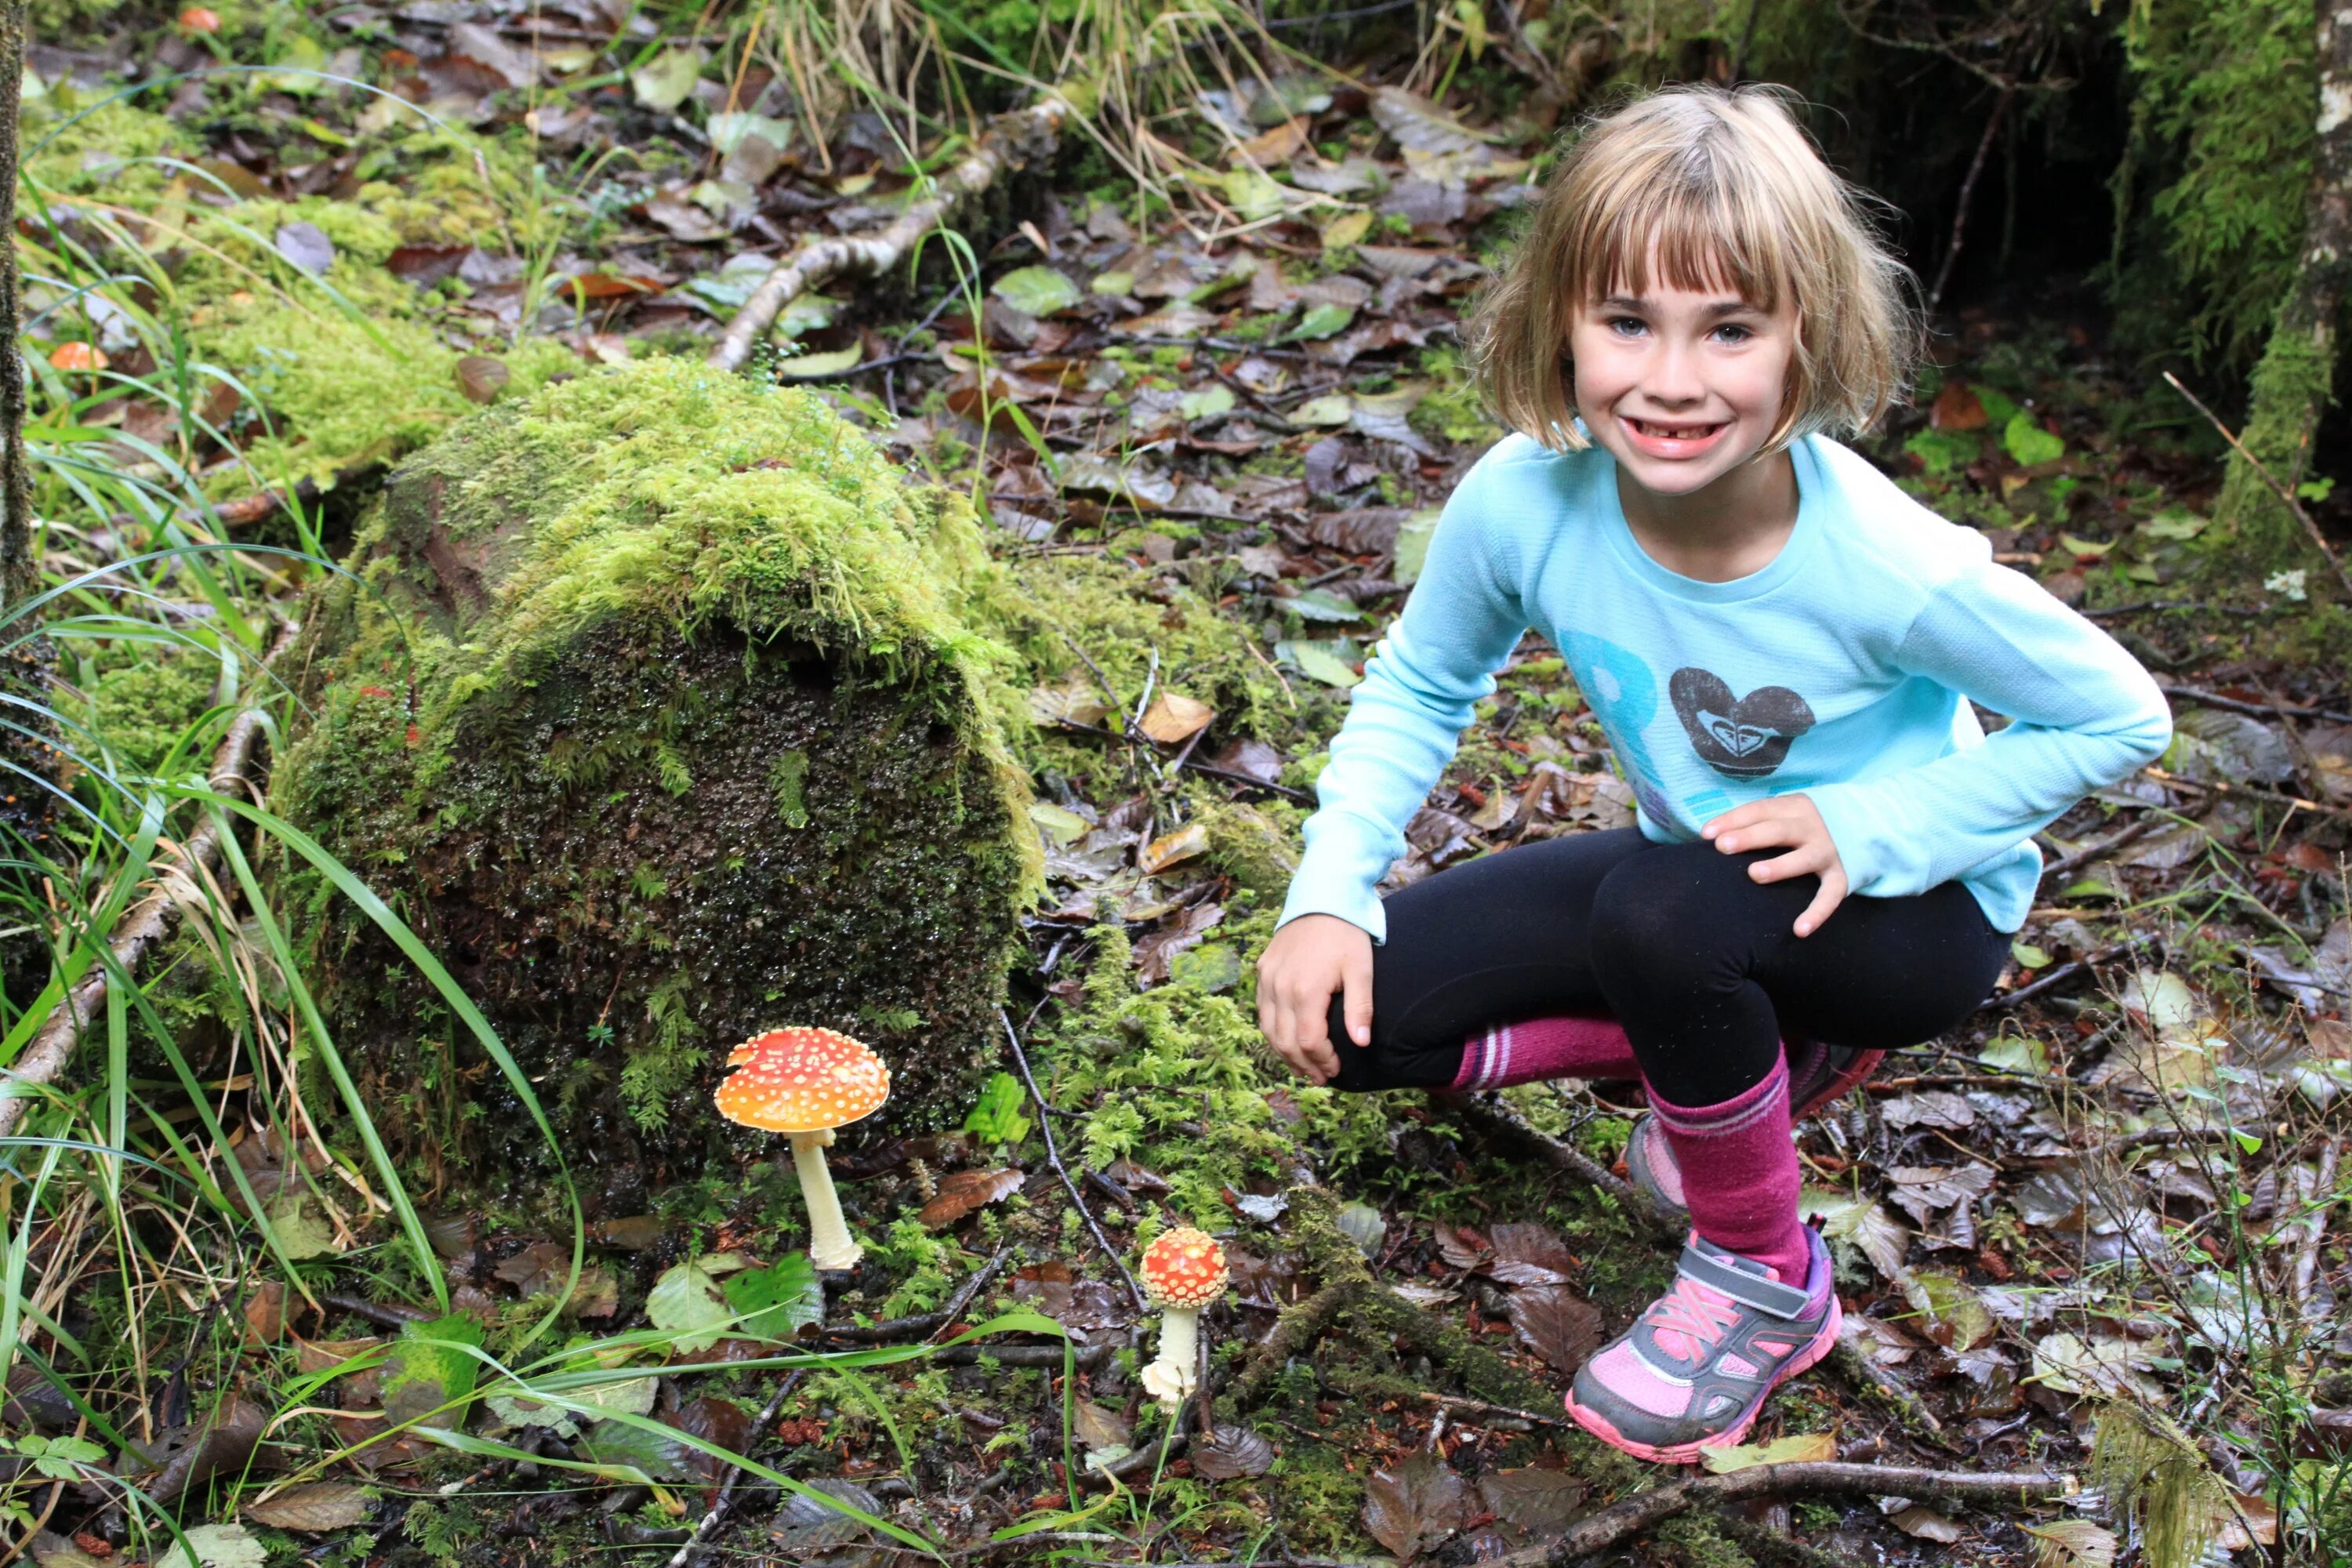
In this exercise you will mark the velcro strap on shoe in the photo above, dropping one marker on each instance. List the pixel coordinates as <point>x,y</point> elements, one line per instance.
<point>1764,1295</point>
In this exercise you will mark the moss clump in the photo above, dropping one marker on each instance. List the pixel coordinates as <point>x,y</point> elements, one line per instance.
<point>590,628</point>
<point>134,705</point>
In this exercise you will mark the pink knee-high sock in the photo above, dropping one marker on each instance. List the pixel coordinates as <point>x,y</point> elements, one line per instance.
<point>1741,1177</point>
<point>1569,1045</point>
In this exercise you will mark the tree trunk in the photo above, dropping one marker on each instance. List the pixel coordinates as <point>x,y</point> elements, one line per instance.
<point>657,716</point>
<point>2292,385</point>
<point>18,574</point>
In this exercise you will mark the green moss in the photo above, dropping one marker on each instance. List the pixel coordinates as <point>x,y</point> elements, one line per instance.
<point>631,605</point>
<point>136,702</point>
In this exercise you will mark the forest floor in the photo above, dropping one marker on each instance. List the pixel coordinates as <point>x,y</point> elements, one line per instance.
<point>2114,1187</point>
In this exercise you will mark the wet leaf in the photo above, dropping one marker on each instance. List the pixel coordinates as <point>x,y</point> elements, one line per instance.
<point>1169,849</point>
<point>1864,1223</point>
<point>2072,1544</point>
<point>429,1367</point>
<point>803,1526</point>
<point>1536,1502</point>
<point>216,1546</point>
<point>2073,1364</point>
<point>1321,321</point>
<point>961,1192</point>
<point>264,1312</point>
<point>2211,746</point>
<point>1949,1310</point>
<point>809,366</point>
<point>632,1233</point>
<point>481,378</point>
<point>1929,1108</point>
<point>1413,1506</point>
<point>1250,759</point>
<point>686,1300</point>
<point>1363,1225</point>
<point>1322,604</point>
<point>1921,1190</point>
<point>1175,717</point>
<point>1036,291</point>
<point>1416,124</point>
<point>1555,1323</point>
<point>307,247</point>
<point>1805,1448</point>
<point>776,1301</point>
<point>1232,1452</point>
<point>1332,408</point>
<point>187,1456</point>
<point>1527,1254</point>
<point>666,81</point>
<point>1928,1524</point>
<point>1317,661</point>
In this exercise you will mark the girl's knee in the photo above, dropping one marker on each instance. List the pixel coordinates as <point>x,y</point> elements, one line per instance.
<point>1667,917</point>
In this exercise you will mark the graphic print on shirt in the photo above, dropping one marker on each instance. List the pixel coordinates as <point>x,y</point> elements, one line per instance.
<point>1625,698</point>
<point>1741,738</point>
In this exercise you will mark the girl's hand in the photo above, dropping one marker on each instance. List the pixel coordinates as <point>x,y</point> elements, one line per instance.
<point>1307,962</point>
<point>1791,820</point>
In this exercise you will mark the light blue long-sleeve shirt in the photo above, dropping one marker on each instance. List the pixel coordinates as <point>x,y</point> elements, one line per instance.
<point>1839,670</point>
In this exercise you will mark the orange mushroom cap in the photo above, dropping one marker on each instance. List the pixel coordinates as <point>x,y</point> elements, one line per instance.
<point>76,355</point>
<point>198,19</point>
<point>802,1080</point>
<point>1184,1267</point>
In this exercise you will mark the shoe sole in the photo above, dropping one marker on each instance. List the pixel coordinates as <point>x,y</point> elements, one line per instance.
<point>1804,1361</point>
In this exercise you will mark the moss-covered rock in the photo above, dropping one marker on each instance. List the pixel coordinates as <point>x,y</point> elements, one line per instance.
<point>654,704</point>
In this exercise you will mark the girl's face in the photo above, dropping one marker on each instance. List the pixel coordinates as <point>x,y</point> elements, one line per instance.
<point>1681,387</point>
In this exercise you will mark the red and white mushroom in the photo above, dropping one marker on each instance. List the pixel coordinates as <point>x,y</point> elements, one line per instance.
<point>805,1083</point>
<point>1184,1270</point>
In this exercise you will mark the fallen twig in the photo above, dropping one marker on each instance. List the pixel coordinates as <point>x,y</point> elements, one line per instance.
<point>143,924</point>
<point>2074,969</point>
<point>1495,1115</point>
<point>384,1315</point>
<point>1620,1521</point>
<point>924,1325</point>
<point>711,1520</point>
<point>2253,710</point>
<point>1480,1407</point>
<point>1012,140</point>
<point>1209,768</point>
<point>2274,796</point>
<point>2285,496</point>
<point>1053,1157</point>
<point>2107,845</point>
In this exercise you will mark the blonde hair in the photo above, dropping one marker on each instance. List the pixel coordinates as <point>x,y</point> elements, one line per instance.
<point>1727,189</point>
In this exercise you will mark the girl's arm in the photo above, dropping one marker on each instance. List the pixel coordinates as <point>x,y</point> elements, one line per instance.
<point>2084,715</point>
<point>1437,660</point>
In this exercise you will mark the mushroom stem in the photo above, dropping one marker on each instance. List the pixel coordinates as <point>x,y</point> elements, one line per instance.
<point>830,1246</point>
<point>1172,1378</point>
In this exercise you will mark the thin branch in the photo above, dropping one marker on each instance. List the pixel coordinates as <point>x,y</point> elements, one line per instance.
<point>1620,1521</point>
<point>146,922</point>
<point>1013,140</point>
<point>2285,496</point>
<point>1045,1114</point>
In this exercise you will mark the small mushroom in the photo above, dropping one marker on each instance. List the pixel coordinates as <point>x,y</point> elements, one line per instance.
<point>1183,1271</point>
<point>805,1083</point>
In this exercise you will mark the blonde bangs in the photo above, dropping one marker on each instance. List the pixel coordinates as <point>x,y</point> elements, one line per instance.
<point>1722,192</point>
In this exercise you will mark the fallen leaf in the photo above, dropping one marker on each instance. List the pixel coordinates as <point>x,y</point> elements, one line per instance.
<point>961,1192</point>
<point>1230,1452</point>
<point>1927,1107</point>
<point>317,1507</point>
<point>481,378</point>
<point>1527,1254</point>
<point>1957,407</point>
<point>1804,1447</point>
<point>1169,848</point>
<point>1928,1525</point>
<point>1413,1506</point>
<point>1556,1324</point>
<point>307,247</point>
<point>1175,717</point>
<point>2072,1544</point>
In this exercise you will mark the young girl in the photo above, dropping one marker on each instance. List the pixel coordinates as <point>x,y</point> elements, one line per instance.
<point>1780,645</point>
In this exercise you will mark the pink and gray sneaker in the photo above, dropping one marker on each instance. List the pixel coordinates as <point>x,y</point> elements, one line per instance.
<point>1694,1372</point>
<point>1819,1075</point>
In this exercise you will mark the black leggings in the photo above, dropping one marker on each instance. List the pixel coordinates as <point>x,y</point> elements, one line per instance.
<point>1697,961</point>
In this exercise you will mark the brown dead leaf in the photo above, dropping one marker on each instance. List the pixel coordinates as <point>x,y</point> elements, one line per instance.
<point>481,378</point>
<point>1956,408</point>
<point>1175,717</point>
<point>1415,1505</point>
<point>1230,1452</point>
<point>1169,848</point>
<point>265,1313</point>
<point>1529,1254</point>
<point>965,1191</point>
<point>317,1507</point>
<point>1556,1324</point>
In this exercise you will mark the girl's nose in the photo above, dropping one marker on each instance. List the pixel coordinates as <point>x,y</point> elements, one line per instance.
<point>1673,376</point>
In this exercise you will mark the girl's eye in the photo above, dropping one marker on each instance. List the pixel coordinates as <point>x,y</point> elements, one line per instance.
<point>1735,327</point>
<point>1624,326</point>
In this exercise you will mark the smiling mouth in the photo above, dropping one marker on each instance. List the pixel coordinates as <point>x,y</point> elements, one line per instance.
<point>1657,432</point>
